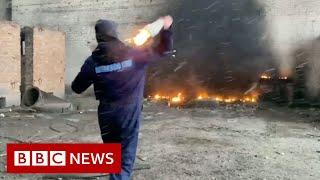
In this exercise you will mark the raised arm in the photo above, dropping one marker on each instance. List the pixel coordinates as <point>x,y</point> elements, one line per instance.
<point>165,46</point>
<point>150,54</point>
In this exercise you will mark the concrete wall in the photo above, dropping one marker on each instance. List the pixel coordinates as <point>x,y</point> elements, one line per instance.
<point>5,9</point>
<point>77,19</point>
<point>10,75</point>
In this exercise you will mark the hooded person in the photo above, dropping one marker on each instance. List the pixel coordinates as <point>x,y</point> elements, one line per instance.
<point>117,73</point>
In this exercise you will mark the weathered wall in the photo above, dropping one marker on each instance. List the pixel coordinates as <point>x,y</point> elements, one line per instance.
<point>5,9</point>
<point>43,60</point>
<point>2,9</point>
<point>10,75</point>
<point>49,61</point>
<point>77,19</point>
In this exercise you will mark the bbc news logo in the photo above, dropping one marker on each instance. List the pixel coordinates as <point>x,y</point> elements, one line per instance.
<point>63,158</point>
<point>39,158</point>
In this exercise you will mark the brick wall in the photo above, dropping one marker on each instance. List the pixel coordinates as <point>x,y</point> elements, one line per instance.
<point>10,75</point>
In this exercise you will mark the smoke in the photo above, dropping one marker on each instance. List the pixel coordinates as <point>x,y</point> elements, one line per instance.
<point>313,75</point>
<point>221,45</point>
<point>292,25</point>
<point>307,55</point>
<point>283,39</point>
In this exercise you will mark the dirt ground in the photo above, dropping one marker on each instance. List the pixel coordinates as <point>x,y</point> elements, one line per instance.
<point>265,142</point>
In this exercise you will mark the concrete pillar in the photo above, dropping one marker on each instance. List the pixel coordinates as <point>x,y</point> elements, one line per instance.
<point>10,60</point>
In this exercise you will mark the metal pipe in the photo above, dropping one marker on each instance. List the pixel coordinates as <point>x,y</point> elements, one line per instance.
<point>44,101</point>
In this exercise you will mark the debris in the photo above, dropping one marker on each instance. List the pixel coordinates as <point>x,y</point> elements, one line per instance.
<point>142,167</point>
<point>43,116</point>
<point>142,158</point>
<point>232,120</point>
<point>29,116</point>
<point>2,115</point>
<point>72,120</point>
<point>314,136</point>
<point>2,155</point>
<point>12,139</point>
<point>148,117</point>
<point>5,110</point>
<point>61,128</point>
<point>92,110</point>
<point>280,153</point>
<point>24,110</point>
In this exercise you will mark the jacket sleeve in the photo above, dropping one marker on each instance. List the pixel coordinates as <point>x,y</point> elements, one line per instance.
<point>85,77</point>
<point>150,54</point>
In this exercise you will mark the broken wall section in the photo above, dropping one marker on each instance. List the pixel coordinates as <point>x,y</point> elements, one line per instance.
<point>10,62</point>
<point>5,10</point>
<point>43,60</point>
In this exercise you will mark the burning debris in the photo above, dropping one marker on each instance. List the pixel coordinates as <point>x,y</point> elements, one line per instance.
<point>285,90</point>
<point>181,100</point>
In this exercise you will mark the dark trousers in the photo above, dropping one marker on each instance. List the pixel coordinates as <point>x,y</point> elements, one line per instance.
<point>121,125</point>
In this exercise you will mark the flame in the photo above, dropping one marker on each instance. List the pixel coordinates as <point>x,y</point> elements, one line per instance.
<point>265,76</point>
<point>203,96</point>
<point>219,99</point>
<point>142,37</point>
<point>283,78</point>
<point>157,97</point>
<point>250,99</point>
<point>177,99</point>
<point>230,100</point>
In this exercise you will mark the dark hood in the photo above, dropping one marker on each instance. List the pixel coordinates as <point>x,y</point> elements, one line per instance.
<point>106,30</point>
<point>110,52</point>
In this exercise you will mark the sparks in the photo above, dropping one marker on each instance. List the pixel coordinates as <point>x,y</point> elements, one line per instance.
<point>283,78</point>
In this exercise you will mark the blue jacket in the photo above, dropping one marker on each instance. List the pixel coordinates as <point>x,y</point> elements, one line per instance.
<point>118,71</point>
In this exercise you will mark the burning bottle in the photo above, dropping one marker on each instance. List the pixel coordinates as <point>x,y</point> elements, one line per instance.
<point>149,31</point>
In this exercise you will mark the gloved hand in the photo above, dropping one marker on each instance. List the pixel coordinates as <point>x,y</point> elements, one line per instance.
<point>168,20</point>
